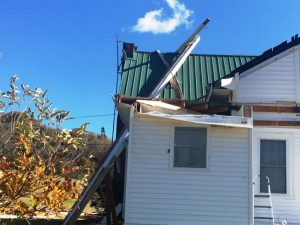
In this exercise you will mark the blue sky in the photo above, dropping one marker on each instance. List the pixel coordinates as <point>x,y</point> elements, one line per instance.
<point>69,47</point>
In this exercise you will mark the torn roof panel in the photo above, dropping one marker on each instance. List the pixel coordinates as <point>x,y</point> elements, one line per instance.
<point>141,72</point>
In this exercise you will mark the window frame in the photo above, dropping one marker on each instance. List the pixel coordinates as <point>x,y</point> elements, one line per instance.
<point>280,135</point>
<point>172,148</point>
<point>273,166</point>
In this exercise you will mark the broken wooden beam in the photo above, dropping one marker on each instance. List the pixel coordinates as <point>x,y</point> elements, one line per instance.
<point>177,89</point>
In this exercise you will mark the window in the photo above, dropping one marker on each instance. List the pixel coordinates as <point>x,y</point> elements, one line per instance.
<point>273,165</point>
<point>190,147</point>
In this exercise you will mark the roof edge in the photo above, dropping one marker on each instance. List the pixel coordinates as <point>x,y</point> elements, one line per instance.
<point>268,54</point>
<point>202,54</point>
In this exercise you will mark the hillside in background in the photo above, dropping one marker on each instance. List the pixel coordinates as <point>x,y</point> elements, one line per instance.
<point>96,145</point>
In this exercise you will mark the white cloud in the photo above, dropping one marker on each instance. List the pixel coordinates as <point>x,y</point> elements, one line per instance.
<point>154,22</point>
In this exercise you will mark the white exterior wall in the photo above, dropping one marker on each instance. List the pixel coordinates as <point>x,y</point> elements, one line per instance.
<point>157,193</point>
<point>278,80</point>
<point>286,206</point>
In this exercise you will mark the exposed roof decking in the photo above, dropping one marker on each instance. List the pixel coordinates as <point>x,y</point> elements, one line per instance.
<point>145,69</point>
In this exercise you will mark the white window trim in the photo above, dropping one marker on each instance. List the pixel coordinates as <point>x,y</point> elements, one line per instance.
<point>172,138</point>
<point>289,138</point>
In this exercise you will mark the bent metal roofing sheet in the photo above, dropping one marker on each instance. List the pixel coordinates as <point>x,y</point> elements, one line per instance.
<point>141,72</point>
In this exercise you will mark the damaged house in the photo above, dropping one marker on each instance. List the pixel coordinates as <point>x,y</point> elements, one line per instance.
<point>209,139</point>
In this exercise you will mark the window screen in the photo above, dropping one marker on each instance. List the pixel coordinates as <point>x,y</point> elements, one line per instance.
<point>273,165</point>
<point>190,147</point>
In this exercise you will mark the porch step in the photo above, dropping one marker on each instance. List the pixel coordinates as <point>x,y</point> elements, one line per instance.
<point>263,218</point>
<point>262,196</point>
<point>263,206</point>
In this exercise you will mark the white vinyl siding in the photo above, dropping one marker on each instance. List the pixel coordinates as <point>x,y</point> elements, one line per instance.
<point>286,206</point>
<point>273,82</point>
<point>158,193</point>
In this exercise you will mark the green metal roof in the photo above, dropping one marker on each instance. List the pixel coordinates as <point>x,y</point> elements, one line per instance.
<point>141,72</point>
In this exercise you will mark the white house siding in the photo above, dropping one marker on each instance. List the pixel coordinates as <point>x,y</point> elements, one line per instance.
<point>285,206</point>
<point>277,81</point>
<point>156,193</point>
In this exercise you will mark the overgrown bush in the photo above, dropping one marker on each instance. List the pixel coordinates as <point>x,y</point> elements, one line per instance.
<point>38,159</point>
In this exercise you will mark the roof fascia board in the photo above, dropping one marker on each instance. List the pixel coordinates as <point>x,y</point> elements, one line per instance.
<point>217,120</point>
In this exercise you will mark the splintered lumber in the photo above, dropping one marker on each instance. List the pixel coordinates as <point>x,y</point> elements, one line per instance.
<point>176,87</point>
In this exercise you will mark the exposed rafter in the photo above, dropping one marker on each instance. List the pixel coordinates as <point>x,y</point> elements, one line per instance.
<point>175,85</point>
